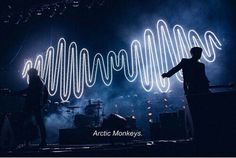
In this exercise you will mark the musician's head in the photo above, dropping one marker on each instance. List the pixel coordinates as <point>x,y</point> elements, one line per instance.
<point>196,53</point>
<point>33,73</point>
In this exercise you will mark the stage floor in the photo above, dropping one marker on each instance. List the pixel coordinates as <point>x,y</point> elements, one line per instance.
<point>136,148</point>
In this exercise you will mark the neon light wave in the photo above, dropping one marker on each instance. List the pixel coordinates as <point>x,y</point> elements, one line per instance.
<point>68,71</point>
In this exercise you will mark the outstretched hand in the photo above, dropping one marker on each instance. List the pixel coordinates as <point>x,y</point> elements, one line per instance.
<point>164,75</point>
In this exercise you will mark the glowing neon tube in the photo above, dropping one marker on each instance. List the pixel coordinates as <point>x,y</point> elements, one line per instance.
<point>68,70</point>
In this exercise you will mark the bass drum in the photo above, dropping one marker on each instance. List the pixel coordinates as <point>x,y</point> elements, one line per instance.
<point>82,121</point>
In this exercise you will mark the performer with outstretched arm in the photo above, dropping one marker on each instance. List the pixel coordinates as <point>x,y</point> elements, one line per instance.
<point>195,85</point>
<point>195,79</point>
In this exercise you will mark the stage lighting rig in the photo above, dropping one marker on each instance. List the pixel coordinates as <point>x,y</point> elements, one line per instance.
<point>62,8</point>
<point>56,7</point>
<point>75,3</point>
<point>39,11</point>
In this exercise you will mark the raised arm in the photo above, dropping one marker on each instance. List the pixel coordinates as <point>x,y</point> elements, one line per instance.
<point>173,70</point>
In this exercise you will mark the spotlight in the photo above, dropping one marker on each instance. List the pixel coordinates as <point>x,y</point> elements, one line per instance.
<point>149,114</point>
<point>150,142</point>
<point>47,10</point>
<point>6,19</point>
<point>21,17</point>
<point>75,3</point>
<point>61,8</point>
<point>53,12</point>
<point>39,12</point>
<point>56,7</point>
<point>52,15</point>
<point>9,6</point>
<point>50,10</point>
<point>27,17</point>
<point>90,4</point>
<point>17,18</point>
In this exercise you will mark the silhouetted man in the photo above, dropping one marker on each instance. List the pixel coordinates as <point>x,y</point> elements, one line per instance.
<point>196,85</point>
<point>36,95</point>
<point>195,80</point>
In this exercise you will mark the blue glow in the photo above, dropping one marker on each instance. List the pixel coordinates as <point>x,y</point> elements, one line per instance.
<point>68,71</point>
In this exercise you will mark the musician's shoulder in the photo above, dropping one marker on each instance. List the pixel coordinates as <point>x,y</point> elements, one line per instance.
<point>184,60</point>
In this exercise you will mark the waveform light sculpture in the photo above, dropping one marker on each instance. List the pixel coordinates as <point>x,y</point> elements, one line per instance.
<point>68,70</point>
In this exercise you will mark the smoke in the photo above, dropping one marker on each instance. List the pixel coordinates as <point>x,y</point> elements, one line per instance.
<point>59,119</point>
<point>126,99</point>
<point>199,15</point>
<point>129,99</point>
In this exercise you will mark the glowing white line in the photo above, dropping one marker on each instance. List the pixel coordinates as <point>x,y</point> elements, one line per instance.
<point>70,70</point>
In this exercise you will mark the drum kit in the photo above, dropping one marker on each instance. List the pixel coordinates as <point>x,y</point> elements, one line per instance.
<point>90,117</point>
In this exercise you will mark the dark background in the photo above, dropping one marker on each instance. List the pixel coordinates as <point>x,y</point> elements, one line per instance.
<point>113,26</point>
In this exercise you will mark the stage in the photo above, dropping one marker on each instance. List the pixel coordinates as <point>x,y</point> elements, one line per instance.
<point>139,148</point>
<point>117,78</point>
<point>143,148</point>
